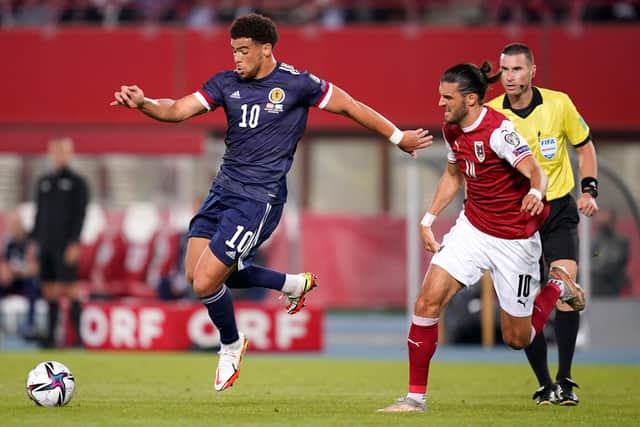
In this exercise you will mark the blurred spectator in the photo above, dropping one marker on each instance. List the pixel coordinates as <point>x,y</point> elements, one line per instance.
<point>167,269</point>
<point>114,12</point>
<point>155,11</point>
<point>19,269</point>
<point>7,19</point>
<point>611,10</point>
<point>326,13</point>
<point>202,15</point>
<point>81,11</point>
<point>610,256</point>
<point>174,285</point>
<point>61,202</point>
<point>38,13</point>
<point>231,9</point>
<point>572,11</point>
<point>529,11</point>
<point>625,10</point>
<point>330,16</point>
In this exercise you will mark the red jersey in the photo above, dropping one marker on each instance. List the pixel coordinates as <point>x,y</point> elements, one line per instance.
<point>487,153</point>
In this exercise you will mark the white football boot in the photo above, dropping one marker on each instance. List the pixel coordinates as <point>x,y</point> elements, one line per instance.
<point>296,303</point>
<point>229,363</point>
<point>405,404</point>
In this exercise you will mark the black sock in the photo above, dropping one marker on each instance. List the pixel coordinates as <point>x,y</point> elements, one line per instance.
<point>220,308</point>
<point>76,311</point>
<point>50,339</point>
<point>566,326</point>
<point>537,354</point>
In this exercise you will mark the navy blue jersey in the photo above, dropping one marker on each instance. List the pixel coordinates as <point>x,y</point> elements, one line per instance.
<point>265,120</point>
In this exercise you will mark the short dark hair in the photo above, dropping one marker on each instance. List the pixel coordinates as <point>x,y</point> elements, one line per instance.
<point>257,27</point>
<point>517,49</point>
<point>470,78</point>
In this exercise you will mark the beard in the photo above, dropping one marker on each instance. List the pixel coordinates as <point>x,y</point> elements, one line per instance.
<point>456,116</point>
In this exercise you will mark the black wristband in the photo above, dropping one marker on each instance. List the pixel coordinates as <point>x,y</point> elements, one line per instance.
<point>589,185</point>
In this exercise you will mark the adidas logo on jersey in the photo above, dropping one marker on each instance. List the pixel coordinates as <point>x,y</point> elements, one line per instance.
<point>235,95</point>
<point>231,254</point>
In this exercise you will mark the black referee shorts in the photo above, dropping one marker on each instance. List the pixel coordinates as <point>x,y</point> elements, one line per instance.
<point>559,232</point>
<point>53,268</point>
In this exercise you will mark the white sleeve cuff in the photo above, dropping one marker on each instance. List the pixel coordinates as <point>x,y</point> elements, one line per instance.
<point>202,100</point>
<point>327,97</point>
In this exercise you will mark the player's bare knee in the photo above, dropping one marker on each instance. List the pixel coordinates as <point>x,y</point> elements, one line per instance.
<point>203,288</point>
<point>203,284</point>
<point>518,344</point>
<point>427,307</point>
<point>514,340</point>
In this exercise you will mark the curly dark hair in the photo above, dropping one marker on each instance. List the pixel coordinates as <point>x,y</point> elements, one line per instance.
<point>470,78</point>
<point>257,27</point>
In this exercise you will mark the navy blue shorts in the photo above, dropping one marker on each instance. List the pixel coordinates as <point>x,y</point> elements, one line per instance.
<point>235,225</point>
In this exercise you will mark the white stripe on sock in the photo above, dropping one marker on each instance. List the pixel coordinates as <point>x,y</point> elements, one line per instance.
<point>424,321</point>
<point>215,297</point>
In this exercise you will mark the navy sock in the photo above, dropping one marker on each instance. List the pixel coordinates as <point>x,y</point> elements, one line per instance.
<point>220,308</point>
<point>537,354</point>
<point>566,327</point>
<point>255,276</point>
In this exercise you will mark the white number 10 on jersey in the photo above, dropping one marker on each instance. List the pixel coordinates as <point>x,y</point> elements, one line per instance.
<point>254,114</point>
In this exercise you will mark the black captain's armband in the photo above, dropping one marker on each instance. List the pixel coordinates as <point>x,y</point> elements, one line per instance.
<point>589,185</point>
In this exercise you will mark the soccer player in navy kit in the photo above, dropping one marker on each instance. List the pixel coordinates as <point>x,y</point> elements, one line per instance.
<point>266,103</point>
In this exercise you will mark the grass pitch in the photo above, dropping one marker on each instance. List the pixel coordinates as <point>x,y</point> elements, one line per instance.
<point>176,389</point>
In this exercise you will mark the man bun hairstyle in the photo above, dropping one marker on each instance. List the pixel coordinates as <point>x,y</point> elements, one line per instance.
<point>257,27</point>
<point>517,49</point>
<point>471,79</point>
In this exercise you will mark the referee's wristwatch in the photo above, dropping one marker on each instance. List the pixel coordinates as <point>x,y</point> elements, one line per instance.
<point>589,185</point>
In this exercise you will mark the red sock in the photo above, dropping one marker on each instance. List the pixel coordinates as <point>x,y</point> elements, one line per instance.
<point>422,344</point>
<point>543,305</point>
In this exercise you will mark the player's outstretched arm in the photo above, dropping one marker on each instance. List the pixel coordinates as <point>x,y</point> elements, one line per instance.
<point>164,110</point>
<point>409,141</point>
<point>449,185</point>
<point>532,202</point>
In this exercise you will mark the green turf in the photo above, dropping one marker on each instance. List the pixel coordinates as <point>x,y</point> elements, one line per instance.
<point>134,389</point>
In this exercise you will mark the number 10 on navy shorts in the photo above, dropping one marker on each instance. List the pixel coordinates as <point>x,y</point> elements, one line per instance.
<point>235,225</point>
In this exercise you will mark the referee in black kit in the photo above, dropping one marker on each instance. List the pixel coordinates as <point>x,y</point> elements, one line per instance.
<point>61,201</point>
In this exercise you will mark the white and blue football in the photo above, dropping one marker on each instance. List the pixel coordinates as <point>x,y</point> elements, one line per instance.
<point>50,384</point>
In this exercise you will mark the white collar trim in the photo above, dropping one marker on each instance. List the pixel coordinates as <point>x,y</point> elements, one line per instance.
<point>475,124</point>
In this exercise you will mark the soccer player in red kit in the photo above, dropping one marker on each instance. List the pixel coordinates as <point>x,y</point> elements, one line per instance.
<point>496,231</point>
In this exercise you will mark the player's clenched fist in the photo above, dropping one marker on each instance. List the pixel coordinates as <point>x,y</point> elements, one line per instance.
<point>531,203</point>
<point>428,239</point>
<point>587,204</point>
<point>129,96</point>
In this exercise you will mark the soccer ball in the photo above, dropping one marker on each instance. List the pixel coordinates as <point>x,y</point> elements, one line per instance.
<point>50,384</point>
